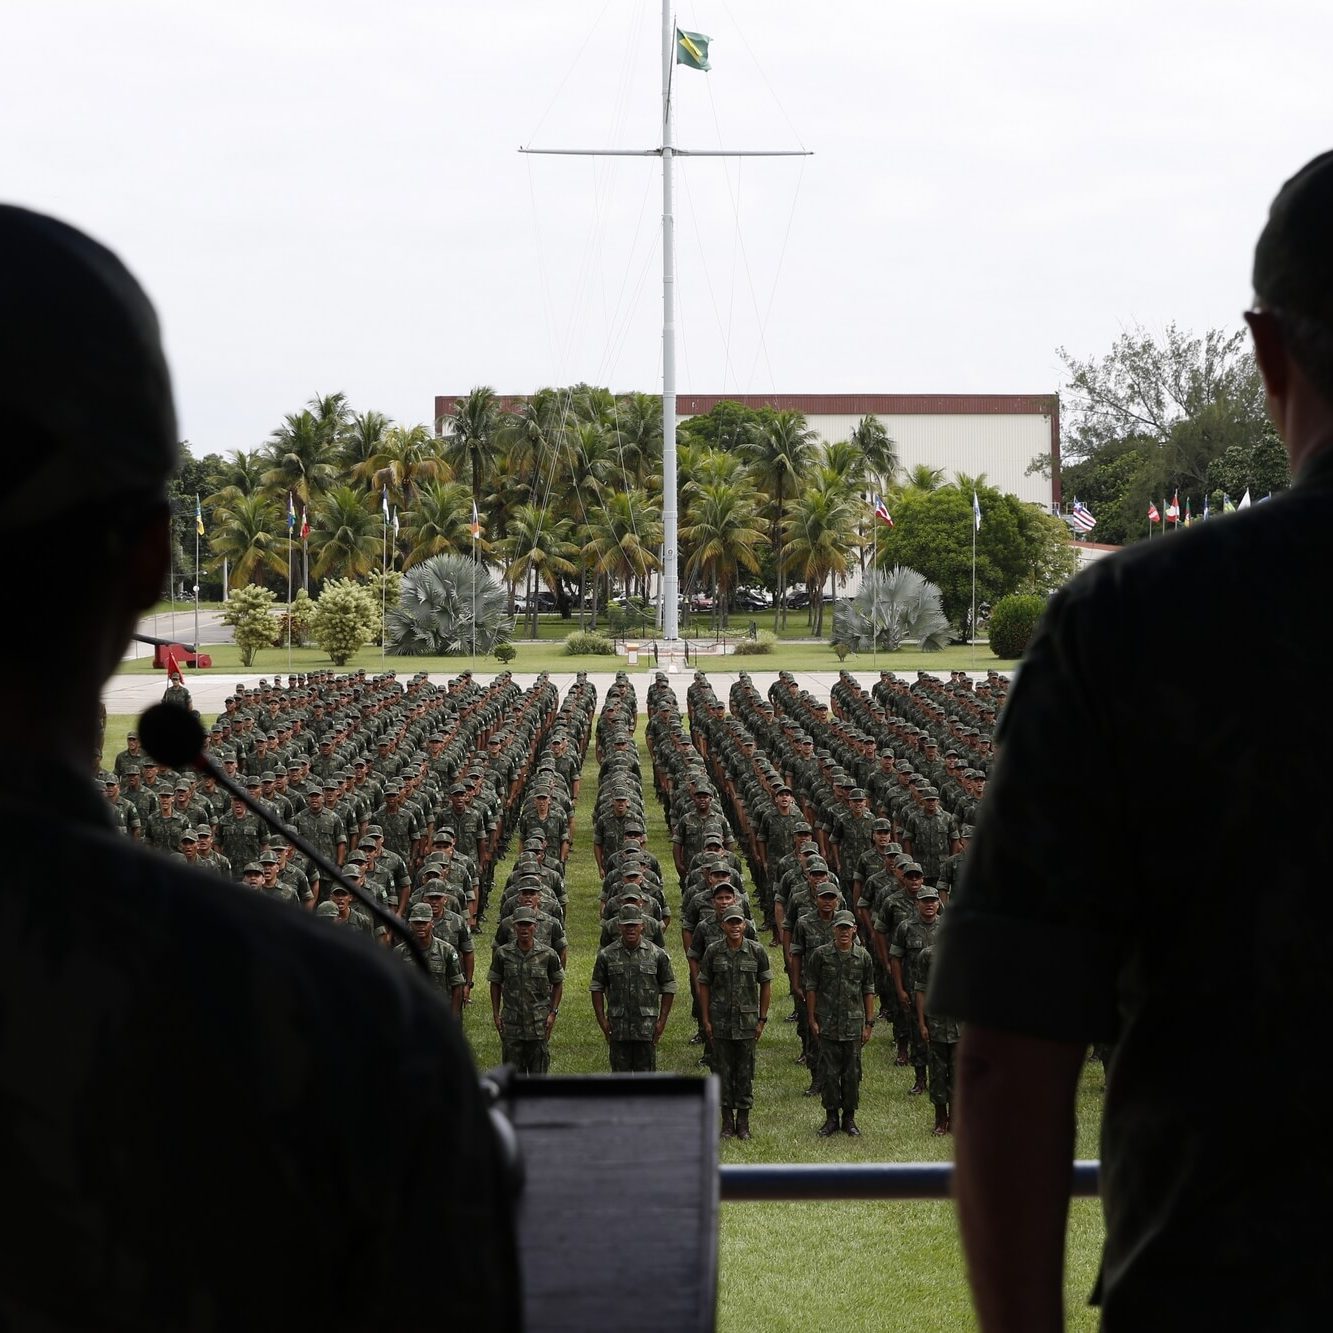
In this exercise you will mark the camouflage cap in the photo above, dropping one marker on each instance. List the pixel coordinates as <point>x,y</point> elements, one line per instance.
<point>421,912</point>
<point>843,918</point>
<point>435,889</point>
<point>882,826</point>
<point>911,868</point>
<point>733,914</point>
<point>524,916</point>
<point>629,916</point>
<point>189,835</point>
<point>326,909</point>
<point>252,868</point>
<point>926,892</point>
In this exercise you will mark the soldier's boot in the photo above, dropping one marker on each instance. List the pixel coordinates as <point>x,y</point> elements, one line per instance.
<point>742,1124</point>
<point>728,1124</point>
<point>849,1125</point>
<point>941,1120</point>
<point>830,1125</point>
<point>919,1086</point>
<point>900,1060</point>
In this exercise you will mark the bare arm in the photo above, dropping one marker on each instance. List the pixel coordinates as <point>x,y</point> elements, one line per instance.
<point>1014,1132</point>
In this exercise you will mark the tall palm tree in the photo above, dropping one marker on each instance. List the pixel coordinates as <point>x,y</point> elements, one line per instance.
<point>241,474</point>
<point>472,435</point>
<point>923,478</point>
<point>348,538</point>
<point>635,428</point>
<point>439,522</point>
<point>821,531</point>
<point>621,539</point>
<point>247,533</point>
<point>539,548</point>
<point>879,450</point>
<point>780,452</point>
<point>408,456</point>
<point>361,439</point>
<point>723,530</point>
<point>532,435</point>
<point>301,460</point>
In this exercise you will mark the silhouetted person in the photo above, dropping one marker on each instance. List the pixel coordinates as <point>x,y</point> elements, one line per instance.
<point>1174,899</point>
<point>214,1113</point>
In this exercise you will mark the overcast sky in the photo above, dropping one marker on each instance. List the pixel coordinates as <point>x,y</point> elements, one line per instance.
<point>327,196</point>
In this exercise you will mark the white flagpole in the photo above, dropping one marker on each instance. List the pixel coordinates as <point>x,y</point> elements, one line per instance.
<point>874,589</point>
<point>384,585</point>
<point>197,520</point>
<point>974,582</point>
<point>290,549</point>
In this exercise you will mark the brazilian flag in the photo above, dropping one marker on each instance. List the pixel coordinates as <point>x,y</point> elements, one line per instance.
<point>691,49</point>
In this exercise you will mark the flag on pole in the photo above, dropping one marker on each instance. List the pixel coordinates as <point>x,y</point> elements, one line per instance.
<point>1269,496</point>
<point>173,666</point>
<point>1082,517</point>
<point>291,511</point>
<point>1244,500</point>
<point>1227,506</point>
<point>1153,515</point>
<point>692,49</point>
<point>1188,519</point>
<point>1173,509</point>
<point>976,513</point>
<point>395,523</point>
<point>1205,516</point>
<point>384,503</point>
<point>305,524</point>
<point>198,517</point>
<point>476,522</point>
<point>881,510</point>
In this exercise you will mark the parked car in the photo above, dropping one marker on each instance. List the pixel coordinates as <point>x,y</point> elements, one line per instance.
<point>798,597</point>
<point>701,601</point>
<point>746,599</point>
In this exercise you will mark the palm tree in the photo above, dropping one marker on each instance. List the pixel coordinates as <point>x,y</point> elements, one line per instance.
<point>407,457</point>
<point>621,539</point>
<point>449,606</point>
<point>780,453</point>
<point>890,607</point>
<point>241,474</point>
<point>247,534</point>
<point>361,440</point>
<point>532,435</point>
<point>471,435</point>
<point>439,521</point>
<point>539,548</point>
<point>301,460</point>
<point>723,528</point>
<point>923,478</point>
<point>635,428</point>
<point>348,538</point>
<point>821,530</point>
<point>879,450</point>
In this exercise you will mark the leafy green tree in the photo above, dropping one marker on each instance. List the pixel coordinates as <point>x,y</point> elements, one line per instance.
<point>449,604</point>
<point>1050,555</point>
<point>1259,466</point>
<point>621,539</point>
<point>344,620</point>
<point>1012,621</point>
<point>385,588</point>
<point>249,611</point>
<point>891,607</point>
<point>932,533</point>
<point>301,461</point>
<point>296,617</point>
<point>407,458</point>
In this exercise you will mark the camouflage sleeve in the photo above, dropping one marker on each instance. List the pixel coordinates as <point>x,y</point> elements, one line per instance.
<point>705,974</point>
<point>598,981</point>
<point>496,975</point>
<point>666,977</point>
<point>555,974</point>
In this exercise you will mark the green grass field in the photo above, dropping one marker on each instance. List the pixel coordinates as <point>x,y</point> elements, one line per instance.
<point>872,1265</point>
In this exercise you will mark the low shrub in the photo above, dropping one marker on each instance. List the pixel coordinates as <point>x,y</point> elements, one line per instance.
<point>584,642</point>
<point>1012,621</point>
<point>762,643</point>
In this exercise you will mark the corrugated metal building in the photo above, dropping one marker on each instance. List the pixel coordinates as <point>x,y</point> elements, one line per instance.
<point>995,433</point>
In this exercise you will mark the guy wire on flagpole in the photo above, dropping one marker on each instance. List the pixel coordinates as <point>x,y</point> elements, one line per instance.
<point>384,587</point>
<point>974,582</point>
<point>291,549</point>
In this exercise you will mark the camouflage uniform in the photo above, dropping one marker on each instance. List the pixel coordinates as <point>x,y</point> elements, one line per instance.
<point>526,982</point>
<point>634,981</point>
<point>733,978</point>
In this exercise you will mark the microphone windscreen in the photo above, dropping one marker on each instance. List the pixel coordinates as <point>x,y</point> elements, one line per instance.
<point>171,735</point>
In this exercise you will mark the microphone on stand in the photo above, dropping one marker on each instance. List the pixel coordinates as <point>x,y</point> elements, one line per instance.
<point>175,737</point>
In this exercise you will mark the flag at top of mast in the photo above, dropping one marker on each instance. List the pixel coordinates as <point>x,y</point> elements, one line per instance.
<point>692,49</point>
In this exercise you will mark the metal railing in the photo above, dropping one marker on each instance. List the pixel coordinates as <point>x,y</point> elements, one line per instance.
<point>769,1182</point>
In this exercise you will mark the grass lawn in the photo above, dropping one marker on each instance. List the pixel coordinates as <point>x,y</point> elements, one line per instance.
<point>549,656</point>
<point>879,1265</point>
